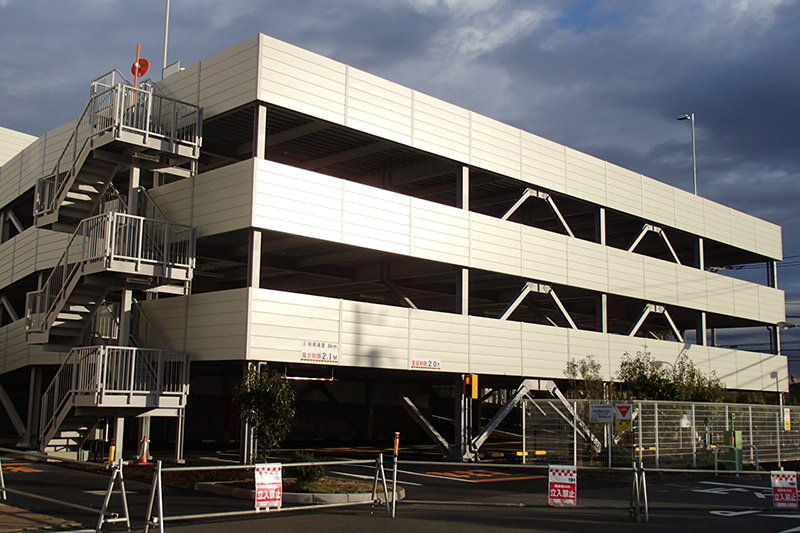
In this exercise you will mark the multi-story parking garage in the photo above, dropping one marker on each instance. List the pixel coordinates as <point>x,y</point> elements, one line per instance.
<point>271,205</point>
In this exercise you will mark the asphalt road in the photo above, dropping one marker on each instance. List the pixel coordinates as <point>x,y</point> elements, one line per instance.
<point>440,497</point>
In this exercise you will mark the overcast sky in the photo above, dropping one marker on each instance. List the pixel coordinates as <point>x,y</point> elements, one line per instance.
<point>608,78</point>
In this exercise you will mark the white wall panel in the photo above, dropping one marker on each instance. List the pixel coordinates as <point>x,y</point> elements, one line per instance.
<point>586,177</point>
<point>718,221</point>
<point>743,229</point>
<point>376,219</point>
<point>689,212</point>
<point>692,287</point>
<point>439,233</point>
<point>12,142</point>
<point>545,350</point>
<point>378,106</point>
<point>495,346</point>
<point>183,85</point>
<point>658,201</point>
<point>10,186</point>
<point>585,343</point>
<point>769,240</point>
<point>544,163</point>
<point>439,337</point>
<point>723,362</point>
<point>495,146</point>
<point>661,280</point>
<point>301,80</point>
<point>771,304</point>
<point>625,273</point>
<point>720,294</point>
<point>297,201</point>
<point>495,245</point>
<point>587,265</point>
<point>745,299</point>
<point>374,336</point>
<point>544,255</point>
<point>440,127</point>
<point>624,190</point>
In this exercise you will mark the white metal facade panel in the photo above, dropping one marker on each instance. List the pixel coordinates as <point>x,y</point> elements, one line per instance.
<point>745,299</point>
<point>771,304</point>
<point>689,212</point>
<point>718,222</point>
<point>545,350</point>
<point>374,336</point>
<point>660,280</point>
<point>495,346</point>
<point>379,107</point>
<point>585,343</point>
<point>229,79</point>
<point>296,201</point>
<point>723,362</point>
<point>495,146</point>
<point>544,163</point>
<point>495,245</point>
<point>439,233</point>
<point>692,287</point>
<point>301,80</point>
<point>12,142</point>
<point>743,228</point>
<point>625,273</point>
<point>720,294</point>
<point>441,128</point>
<point>587,265</point>
<point>439,337</point>
<point>544,255</point>
<point>624,191</point>
<point>377,219</point>
<point>586,177</point>
<point>769,240</point>
<point>658,201</point>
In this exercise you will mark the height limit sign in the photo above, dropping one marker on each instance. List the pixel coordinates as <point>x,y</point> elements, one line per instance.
<point>562,486</point>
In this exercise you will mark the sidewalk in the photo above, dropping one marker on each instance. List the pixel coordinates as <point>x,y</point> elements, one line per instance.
<point>13,520</point>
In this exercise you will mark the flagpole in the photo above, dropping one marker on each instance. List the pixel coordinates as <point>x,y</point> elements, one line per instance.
<point>166,37</point>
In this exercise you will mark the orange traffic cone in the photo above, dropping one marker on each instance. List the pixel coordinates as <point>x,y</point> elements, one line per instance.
<point>143,452</point>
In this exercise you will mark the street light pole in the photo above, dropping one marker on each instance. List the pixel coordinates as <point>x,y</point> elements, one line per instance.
<point>690,117</point>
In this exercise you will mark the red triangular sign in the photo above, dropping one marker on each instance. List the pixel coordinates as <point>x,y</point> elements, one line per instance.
<point>623,410</point>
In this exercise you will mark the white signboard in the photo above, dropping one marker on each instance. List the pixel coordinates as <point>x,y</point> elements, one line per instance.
<point>784,489</point>
<point>269,486</point>
<point>320,352</point>
<point>601,413</point>
<point>562,486</point>
<point>623,413</point>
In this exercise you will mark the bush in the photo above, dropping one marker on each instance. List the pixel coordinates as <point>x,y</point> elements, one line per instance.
<point>308,473</point>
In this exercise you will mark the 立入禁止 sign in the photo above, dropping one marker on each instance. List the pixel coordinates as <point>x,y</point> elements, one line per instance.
<point>562,486</point>
<point>269,486</point>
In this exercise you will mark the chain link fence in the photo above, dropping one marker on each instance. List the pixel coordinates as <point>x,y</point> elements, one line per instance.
<point>663,435</point>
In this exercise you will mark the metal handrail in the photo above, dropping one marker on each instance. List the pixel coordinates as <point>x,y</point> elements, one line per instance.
<point>755,448</point>
<point>104,371</point>
<point>117,108</point>
<point>110,237</point>
<point>736,456</point>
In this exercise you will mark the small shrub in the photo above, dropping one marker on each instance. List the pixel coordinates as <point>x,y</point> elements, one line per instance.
<point>308,473</point>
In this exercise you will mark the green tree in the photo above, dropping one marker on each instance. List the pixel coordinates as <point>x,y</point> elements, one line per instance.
<point>266,402</point>
<point>585,380</point>
<point>644,378</point>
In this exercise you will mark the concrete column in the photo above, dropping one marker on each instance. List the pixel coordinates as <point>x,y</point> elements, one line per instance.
<point>254,260</point>
<point>702,329</point>
<point>260,131</point>
<point>602,313</point>
<point>119,437</point>
<point>125,318</point>
<point>247,446</point>
<point>463,419</point>
<point>133,191</point>
<point>180,434</point>
<point>600,226</point>
<point>144,432</point>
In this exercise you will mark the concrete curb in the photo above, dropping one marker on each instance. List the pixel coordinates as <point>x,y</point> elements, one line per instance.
<point>221,488</point>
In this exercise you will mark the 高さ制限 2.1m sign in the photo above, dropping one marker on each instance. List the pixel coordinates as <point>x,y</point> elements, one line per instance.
<point>320,352</point>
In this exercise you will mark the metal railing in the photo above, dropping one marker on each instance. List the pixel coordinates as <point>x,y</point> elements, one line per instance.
<point>100,373</point>
<point>664,435</point>
<point>112,238</point>
<point>115,107</point>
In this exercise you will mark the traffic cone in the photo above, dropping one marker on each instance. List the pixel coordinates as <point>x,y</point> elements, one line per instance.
<point>143,452</point>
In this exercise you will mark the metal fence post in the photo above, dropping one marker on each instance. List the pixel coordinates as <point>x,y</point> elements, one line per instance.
<point>778,434</point>
<point>641,443</point>
<point>655,418</point>
<point>694,438</point>
<point>524,442</point>
<point>575,433</point>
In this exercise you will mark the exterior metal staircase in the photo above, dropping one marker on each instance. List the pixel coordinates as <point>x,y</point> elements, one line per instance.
<point>100,381</point>
<point>120,124</point>
<point>106,252</point>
